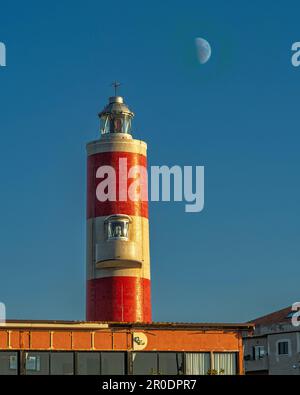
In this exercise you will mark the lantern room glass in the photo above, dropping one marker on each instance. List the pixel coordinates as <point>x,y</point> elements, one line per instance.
<point>115,123</point>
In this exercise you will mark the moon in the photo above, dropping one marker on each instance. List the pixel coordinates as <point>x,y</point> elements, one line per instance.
<point>203,50</point>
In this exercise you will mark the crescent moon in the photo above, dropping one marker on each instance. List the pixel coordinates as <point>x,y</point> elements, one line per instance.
<point>203,50</point>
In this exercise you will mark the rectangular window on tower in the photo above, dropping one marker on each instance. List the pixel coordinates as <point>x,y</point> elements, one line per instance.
<point>117,227</point>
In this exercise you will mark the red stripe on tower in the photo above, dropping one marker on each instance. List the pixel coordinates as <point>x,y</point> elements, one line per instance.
<point>126,299</point>
<point>117,161</point>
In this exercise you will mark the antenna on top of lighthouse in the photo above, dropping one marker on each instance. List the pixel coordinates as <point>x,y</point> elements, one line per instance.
<point>116,85</point>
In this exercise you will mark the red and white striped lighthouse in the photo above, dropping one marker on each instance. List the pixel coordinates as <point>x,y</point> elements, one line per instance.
<point>118,258</point>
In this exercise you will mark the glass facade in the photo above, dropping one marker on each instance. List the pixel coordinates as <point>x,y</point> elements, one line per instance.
<point>117,363</point>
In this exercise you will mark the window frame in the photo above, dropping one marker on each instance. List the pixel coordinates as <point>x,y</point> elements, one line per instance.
<point>35,360</point>
<point>257,354</point>
<point>125,219</point>
<point>285,341</point>
<point>11,371</point>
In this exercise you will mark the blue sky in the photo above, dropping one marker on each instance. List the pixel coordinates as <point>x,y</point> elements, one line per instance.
<point>236,115</point>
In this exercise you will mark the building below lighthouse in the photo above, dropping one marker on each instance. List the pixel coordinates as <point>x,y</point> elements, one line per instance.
<point>118,258</point>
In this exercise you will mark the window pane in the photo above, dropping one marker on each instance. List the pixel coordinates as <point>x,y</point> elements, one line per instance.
<point>258,352</point>
<point>8,363</point>
<point>104,124</point>
<point>88,363</point>
<point>127,124</point>
<point>286,348</point>
<point>116,124</point>
<point>225,363</point>
<point>197,363</point>
<point>118,229</point>
<point>37,363</point>
<point>144,363</point>
<point>112,363</point>
<point>283,348</point>
<point>170,363</point>
<point>61,363</point>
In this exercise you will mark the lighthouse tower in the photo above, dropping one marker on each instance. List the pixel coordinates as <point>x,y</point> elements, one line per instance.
<point>118,259</point>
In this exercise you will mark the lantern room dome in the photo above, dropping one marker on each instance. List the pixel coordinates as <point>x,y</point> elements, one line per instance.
<point>116,105</point>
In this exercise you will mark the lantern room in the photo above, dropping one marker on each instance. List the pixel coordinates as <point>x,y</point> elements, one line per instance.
<point>116,118</point>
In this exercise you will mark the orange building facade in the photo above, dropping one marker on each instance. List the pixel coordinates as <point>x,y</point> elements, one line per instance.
<point>56,347</point>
